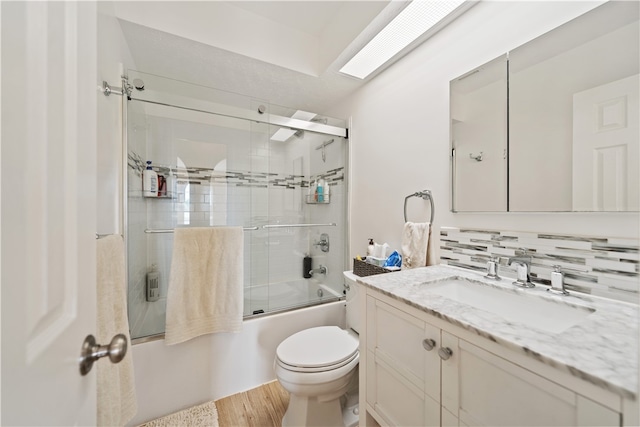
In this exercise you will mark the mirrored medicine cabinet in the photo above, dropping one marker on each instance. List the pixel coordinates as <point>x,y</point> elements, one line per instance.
<point>552,126</point>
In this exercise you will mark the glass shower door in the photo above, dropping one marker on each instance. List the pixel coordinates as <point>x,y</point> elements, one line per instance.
<point>221,163</point>
<point>207,182</point>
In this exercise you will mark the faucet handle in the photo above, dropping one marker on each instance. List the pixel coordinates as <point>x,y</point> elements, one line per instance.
<point>557,281</point>
<point>492,269</point>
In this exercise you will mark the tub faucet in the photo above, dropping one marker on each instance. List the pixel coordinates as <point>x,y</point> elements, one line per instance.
<point>321,269</point>
<point>523,267</point>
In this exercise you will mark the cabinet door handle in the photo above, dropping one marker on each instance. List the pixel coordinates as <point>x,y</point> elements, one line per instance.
<point>428,344</point>
<point>445,353</point>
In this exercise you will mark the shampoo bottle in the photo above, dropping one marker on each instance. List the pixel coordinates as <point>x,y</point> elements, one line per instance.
<point>149,181</point>
<point>320,190</point>
<point>171,184</point>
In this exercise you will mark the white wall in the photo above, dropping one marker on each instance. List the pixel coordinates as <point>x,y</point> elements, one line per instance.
<point>400,129</point>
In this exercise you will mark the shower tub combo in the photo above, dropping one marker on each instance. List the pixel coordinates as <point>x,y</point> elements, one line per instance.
<point>227,160</point>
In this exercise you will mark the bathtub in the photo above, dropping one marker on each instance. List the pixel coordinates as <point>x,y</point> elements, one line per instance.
<point>258,300</point>
<point>275,297</point>
<point>209,367</point>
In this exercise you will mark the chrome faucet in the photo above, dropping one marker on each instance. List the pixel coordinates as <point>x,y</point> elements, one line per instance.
<point>557,281</point>
<point>321,269</point>
<point>323,242</point>
<point>523,267</point>
<point>492,269</point>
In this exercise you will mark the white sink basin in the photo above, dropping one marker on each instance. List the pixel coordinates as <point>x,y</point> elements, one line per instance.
<point>538,313</point>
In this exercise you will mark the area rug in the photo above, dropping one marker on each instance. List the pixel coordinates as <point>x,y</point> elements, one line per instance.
<point>205,415</point>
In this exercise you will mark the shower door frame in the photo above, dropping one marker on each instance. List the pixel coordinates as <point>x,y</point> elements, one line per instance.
<point>127,93</point>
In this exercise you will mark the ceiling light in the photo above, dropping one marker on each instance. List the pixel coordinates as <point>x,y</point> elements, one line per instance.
<point>414,21</point>
<point>283,134</point>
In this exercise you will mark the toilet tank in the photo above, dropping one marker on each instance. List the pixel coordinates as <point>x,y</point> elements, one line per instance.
<point>353,303</point>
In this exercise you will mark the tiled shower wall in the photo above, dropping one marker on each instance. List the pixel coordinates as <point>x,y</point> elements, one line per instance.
<point>607,267</point>
<point>258,183</point>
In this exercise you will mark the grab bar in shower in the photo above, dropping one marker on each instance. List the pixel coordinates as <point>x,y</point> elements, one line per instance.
<point>330,224</point>
<point>426,195</point>
<point>170,230</point>
<point>100,236</point>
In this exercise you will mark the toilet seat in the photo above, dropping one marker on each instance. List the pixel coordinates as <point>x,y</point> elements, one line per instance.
<point>319,349</point>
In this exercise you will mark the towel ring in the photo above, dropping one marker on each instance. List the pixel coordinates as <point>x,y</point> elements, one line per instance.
<point>426,195</point>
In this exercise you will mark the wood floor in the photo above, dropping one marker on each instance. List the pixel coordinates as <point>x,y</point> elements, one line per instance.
<point>260,407</point>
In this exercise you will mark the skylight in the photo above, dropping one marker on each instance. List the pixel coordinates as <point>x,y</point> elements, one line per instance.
<point>414,20</point>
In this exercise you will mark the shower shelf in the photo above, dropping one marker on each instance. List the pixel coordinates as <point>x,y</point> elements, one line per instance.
<point>311,199</point>
<point>158,197</point>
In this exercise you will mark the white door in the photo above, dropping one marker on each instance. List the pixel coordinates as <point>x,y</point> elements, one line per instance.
<point>48,209</point>
<point>605,147</point>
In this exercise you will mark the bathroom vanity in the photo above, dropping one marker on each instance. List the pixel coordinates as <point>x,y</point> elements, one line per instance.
<point>445,346</point>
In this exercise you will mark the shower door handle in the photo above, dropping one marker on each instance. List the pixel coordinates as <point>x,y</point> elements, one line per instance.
<point>91,351</point>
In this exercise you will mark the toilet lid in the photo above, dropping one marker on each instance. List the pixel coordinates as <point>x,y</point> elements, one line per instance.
<point>317,347</point>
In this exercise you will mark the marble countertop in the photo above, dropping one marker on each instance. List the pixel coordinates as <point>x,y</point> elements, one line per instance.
<point>602,349</point>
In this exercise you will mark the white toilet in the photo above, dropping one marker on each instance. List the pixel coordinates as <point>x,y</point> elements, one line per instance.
<point>317,366</point>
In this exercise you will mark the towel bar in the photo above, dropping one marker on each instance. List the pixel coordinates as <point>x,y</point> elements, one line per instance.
<point>426,195</point>
<point>330,224</point>
<point>170,230</point>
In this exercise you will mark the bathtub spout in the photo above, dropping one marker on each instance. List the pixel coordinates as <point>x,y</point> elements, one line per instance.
<point>322,270</point>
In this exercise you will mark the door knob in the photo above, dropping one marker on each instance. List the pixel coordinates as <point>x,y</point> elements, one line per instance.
<point>428,344</point>
<point>91,351</point>
<point>445,353</point>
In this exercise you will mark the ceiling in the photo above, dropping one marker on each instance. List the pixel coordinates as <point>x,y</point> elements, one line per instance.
<point>285,52</point>
<point>312,17</point>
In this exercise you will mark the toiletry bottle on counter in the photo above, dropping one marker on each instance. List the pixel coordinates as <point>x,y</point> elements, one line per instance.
<point>149,181</point>
<point>370,248</point>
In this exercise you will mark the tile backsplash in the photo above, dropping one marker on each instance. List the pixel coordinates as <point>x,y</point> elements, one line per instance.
<point>607,267</point>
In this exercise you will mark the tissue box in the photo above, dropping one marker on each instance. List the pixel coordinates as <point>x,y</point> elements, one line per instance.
<point>375,261</point>
<point>362,269</point>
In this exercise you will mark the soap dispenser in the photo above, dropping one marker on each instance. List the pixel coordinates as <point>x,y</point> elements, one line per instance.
<point>371,248</point>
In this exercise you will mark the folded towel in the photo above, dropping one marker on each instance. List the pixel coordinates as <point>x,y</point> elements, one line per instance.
<point>206,283</point>
<point>417,250</point>
<point>117,402</point>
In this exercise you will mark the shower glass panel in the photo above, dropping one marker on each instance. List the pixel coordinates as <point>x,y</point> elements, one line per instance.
<point>225,169</point>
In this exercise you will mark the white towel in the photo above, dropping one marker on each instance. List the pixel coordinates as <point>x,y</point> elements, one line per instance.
<point>206,283</point>
<point>416,246</point>
<point>117,402</point>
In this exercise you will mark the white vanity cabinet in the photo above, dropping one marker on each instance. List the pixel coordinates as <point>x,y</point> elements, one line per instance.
<point>403,367</point>
<point>420,370</point>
